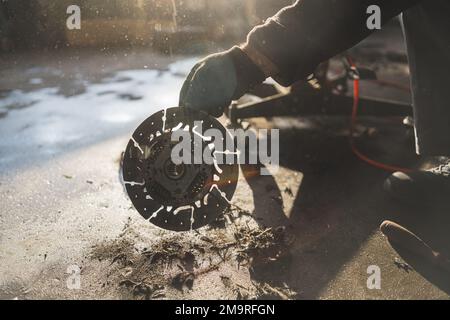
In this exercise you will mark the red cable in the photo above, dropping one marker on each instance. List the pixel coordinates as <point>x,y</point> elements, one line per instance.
<point>354,116</point>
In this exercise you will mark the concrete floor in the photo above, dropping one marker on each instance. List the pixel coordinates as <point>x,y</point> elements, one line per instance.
<point>66,117</point>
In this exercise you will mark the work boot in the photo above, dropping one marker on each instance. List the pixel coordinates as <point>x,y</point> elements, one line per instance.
<point>429,188</point>
<point>401,237</point>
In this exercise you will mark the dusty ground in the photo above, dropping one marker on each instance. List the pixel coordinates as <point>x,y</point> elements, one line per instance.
<point>309,231</point>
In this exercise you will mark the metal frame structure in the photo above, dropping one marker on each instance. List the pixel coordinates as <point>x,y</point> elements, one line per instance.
<point>319,96</point>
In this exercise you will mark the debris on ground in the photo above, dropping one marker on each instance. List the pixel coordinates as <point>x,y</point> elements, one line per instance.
<point>288,191</point>
<point>268,244</point>
<point>402,265</point>
<point>229,216</point>
<point>143,289</point>
<point>176,261</point>
<point>259,291</point>
<point>268,292</point>
<point>183,279</point>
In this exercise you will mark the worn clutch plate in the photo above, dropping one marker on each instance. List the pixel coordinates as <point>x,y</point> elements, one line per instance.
<point>173,195</point>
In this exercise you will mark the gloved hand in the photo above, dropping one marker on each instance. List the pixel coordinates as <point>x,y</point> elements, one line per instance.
<point>218,79</point>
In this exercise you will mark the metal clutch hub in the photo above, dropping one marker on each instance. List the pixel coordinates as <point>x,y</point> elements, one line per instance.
<point>172,195</point>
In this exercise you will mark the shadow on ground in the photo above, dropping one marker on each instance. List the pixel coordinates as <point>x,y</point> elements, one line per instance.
<point>339,206</point>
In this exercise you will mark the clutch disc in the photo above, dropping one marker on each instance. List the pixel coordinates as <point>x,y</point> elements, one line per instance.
<point>172,195</point>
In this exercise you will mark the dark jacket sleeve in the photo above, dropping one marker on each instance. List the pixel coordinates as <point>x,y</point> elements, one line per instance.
<point>302,35</point>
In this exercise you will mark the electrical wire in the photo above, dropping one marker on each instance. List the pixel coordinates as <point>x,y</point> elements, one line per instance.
<point>354,118</point>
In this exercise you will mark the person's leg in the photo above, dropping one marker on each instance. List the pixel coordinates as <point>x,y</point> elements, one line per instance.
<point>427,32</point>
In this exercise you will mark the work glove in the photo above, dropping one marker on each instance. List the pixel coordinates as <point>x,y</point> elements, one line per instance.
<point>218,79</point>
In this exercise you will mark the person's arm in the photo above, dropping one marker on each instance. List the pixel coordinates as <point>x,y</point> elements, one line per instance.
<point>290,45</point>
